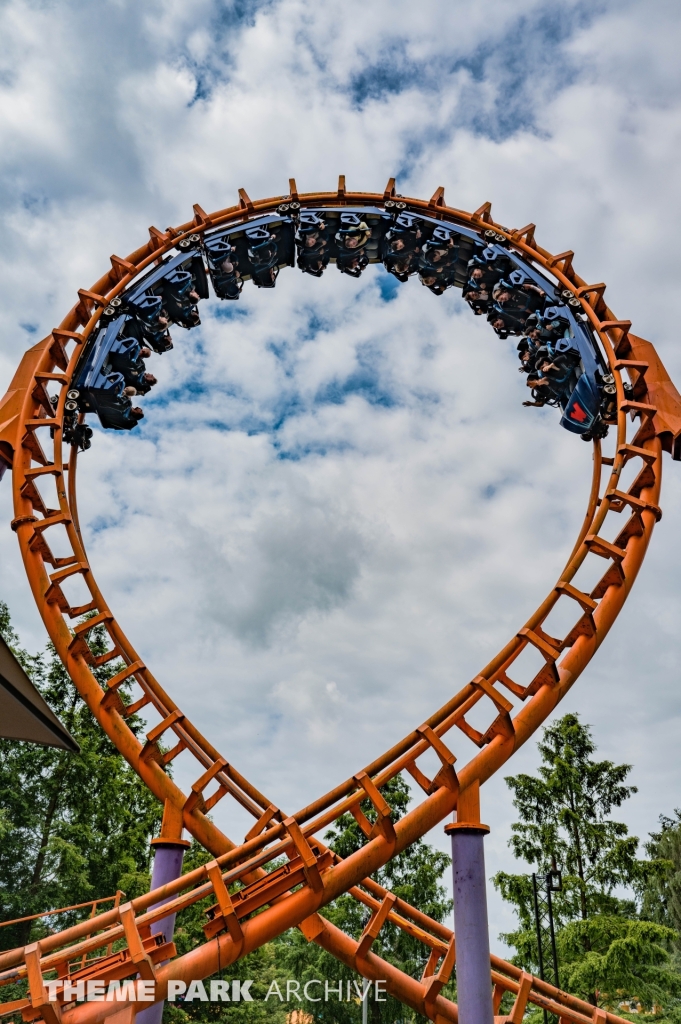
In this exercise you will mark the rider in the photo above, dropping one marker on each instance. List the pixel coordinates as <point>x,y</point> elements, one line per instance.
<point>312,242</point>
<point>351,238</point>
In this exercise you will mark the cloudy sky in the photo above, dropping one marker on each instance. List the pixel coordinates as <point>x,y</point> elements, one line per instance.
<point>336,509</point>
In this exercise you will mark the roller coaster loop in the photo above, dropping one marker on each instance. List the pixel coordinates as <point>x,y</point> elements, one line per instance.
<point>646,420</point>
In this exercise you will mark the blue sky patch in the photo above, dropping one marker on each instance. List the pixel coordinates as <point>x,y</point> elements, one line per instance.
<point>388,285</point>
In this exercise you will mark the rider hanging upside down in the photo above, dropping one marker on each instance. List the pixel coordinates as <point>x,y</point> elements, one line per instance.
<point>436,265</point>
<point>546,330</point>
<point>526,299</point>
<point>504,323</point>
<point>354,232</point>
<point>526,354</point>
<point>439,253</point>
<point>401,251</point>
<point>351,238</point>
<point>484,272</point>
<point>436,282</point>
<point>552,377</point>
<point>222,262</point>
<point>537,384</point>
<point>312,242</point>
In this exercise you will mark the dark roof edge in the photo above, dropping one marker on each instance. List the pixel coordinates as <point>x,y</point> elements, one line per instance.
<point>27,694</point>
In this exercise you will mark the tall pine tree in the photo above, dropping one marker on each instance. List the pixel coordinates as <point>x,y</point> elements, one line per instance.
<point>565,819</point>
<point>662,889</point>
<point>606,953</point>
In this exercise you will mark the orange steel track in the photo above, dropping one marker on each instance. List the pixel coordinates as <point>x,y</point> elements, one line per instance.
<point>293,895</point>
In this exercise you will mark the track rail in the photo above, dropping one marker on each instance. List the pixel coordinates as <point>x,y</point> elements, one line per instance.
<point>515,707</point>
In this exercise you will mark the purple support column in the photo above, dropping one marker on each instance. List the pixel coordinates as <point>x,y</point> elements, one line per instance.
<point>167,867</point>
<point>473,983</point>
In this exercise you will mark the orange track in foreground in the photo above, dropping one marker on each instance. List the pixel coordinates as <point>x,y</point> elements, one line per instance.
<point>26,417</point>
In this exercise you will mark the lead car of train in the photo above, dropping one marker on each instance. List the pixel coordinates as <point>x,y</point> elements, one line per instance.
<point>562,361</point>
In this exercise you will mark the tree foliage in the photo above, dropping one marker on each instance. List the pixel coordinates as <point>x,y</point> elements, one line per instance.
<point>661,894</point>
<point>618,959</point>
<point>606,952</point>
<point>73,826</point>
<point>564,819</point>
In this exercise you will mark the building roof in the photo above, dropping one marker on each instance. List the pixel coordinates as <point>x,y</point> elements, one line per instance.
<point>24,714</point>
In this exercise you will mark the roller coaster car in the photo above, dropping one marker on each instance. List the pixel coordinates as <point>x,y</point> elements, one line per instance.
<point>582,389</point>
<point>589,404</point>
<point>264,255</point>
<point>222,266</point>
<point>125,356</point>
<point>253,251</point>
<point>170,292</point>
<point>495,280</point>
<point>313,243</point>
<point>150,317</point>
<point>98,387</point>
<point>437,251</point>
<point>354,237</point>
<point>351,239</point>
<point>582,410</point>
<point>549,327</point>
<point>402,244</point>
<point>179,298</point>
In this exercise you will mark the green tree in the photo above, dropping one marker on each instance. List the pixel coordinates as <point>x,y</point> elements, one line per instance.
<point>564,819</point>
<point>606,953</point>
<point>610,959</point>
<point>661,894</point>
<point>74,826</point>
